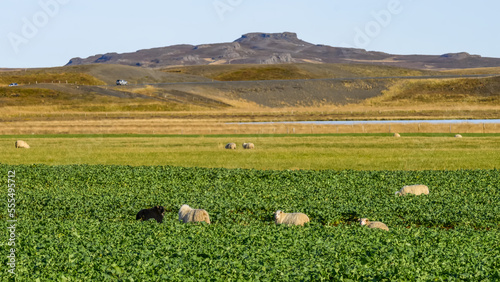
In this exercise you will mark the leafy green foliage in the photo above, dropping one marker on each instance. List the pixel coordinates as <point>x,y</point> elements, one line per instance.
<point>77,222</point>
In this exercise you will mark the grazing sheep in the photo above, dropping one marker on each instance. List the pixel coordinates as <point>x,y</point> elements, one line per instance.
<point>373,224</point>
<point>155,212</point>
<point>248,146</point>
<point>22,144</point>
<point>397,135</point>
<point>290,218</point>
<point>458,136</point>
<point>413,189</point>
<point>187,214</point>
<point>230,146</point>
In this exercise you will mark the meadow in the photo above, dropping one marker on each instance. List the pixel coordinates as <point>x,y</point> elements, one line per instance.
<point>439,151</point>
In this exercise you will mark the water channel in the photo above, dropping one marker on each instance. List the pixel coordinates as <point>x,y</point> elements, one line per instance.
<point>355,122</point>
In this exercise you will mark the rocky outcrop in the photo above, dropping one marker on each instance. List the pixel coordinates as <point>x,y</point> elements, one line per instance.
<point>254,36</point>
<point>459,56</point>
<point>279,59</point>
<point>231,51</point>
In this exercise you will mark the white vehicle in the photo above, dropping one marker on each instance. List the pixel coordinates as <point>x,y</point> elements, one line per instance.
<point>121,82</point>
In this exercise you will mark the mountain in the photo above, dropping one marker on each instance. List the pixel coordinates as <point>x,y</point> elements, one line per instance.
<point>279,48</point>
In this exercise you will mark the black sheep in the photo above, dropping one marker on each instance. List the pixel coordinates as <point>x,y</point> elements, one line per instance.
<point>154,212</point>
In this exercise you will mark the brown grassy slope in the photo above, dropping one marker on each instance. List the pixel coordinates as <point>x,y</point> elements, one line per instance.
<point>81,88</point>
<point>492,70</point>
<point>294,71</point>
<point>97,74</point>
<point>134,75</point>
<point>95,98</point>
<point>35,76</point>
<point>471,91</point>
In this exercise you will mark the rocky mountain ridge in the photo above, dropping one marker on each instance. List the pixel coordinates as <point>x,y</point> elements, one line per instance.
<point>279,48</point>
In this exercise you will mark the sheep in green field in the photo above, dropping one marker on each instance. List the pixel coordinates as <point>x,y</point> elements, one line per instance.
<point>188,214</point>
<point>373,224</point>
<point>248,146</point>
<point>297,218</point>
<point>22,144</point>
<point>413,189</point>
<point>230,146</point>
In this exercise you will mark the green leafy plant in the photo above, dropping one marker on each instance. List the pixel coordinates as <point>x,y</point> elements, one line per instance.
<point>77,222</point>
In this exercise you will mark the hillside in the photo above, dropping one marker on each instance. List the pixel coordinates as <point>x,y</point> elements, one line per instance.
<point>250,72</point>
<point>432,92</point>
<point>279,48</point>
<point>88,87</point>
<point>355,91</point>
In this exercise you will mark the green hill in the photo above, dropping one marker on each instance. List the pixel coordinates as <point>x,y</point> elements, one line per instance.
<point>294,71</point>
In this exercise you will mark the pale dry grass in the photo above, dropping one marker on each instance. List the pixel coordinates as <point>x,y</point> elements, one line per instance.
<point>212,126</point>
<point>490,70</point>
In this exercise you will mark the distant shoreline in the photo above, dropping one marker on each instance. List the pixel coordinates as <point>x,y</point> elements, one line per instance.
<point>349,122</point>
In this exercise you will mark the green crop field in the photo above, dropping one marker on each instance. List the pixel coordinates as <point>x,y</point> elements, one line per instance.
<point>77,223</point>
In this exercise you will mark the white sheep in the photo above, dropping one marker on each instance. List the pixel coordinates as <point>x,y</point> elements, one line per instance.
<point>373,224</point>
<point>458,136</point>
<point>413,189</point>
<point>248,146</point>
<point>22,144</point>
<point>297,218</point>
<point>230,146</point>
<point>188,214</point>
<point>397,135</point>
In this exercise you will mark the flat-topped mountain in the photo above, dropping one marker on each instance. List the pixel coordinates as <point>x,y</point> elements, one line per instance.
<point>278,48</point>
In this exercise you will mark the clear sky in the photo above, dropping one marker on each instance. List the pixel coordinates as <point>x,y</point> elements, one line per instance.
<point>46,33</point>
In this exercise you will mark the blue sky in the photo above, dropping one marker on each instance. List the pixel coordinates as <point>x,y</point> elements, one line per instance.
<point>46,33</point>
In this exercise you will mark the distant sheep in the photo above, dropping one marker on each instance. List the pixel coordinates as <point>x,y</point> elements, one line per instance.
<point>230,146</point>
<point>155,212</point>
<point>290,218</point>
<point>187,214</point>
<point>248,146</point>
<point>22,144</point>
<point>413,189</point>
<point>458,136</point>
<point>397,135</point>
<point>373,224</point>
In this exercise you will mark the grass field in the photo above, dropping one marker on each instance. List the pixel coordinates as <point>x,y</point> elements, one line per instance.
<point>317,152</point>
